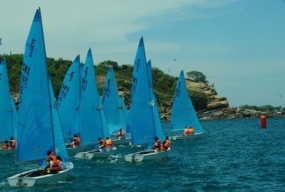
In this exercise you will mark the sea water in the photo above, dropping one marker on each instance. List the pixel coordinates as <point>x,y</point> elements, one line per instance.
<point>233,155</point>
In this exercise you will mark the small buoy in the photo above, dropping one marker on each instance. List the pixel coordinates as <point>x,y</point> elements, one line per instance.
<point>263,121</point>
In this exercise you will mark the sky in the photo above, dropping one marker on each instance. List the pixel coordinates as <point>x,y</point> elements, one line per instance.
<point>239,45</point>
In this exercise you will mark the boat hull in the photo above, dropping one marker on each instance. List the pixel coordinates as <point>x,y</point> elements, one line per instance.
<point>146,156</point>
<point>188,137</point>
<point>73,151</point>
<point>126,141</point>
<point>34,177</point>
<point>7,152</point>
<point>96,154</point>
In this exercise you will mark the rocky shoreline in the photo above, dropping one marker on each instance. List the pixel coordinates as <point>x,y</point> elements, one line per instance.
<point>217,107</point>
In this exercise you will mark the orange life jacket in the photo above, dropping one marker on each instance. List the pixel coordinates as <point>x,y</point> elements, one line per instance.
<point>109,143</point>
<point>191,131</point>
<point>55,165</point>
<point>12,144</point>
<point>166,145</point>
<point>4,145</point>
<point>76,141</point>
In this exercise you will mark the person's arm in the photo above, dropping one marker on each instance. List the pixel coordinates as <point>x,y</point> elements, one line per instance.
<point>51,164</point>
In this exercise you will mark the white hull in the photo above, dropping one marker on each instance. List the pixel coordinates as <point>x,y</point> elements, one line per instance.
<point>7,152</point>
<point>126,141</point>
<point>73,151</point>
<point>146,156</point>
<point>26,179</point>
<point>188,137</point>
<point>96,153</point>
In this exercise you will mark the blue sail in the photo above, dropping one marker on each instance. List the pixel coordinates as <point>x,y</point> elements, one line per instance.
<point>68,101</point>
<point>141,116</point>
<point>60,148</point>
<point>114,106</point>
<point>156,116</point>
<point>92,118</point>
<point>183,112</point>
<point>34,116</point>
<point>8,112</point>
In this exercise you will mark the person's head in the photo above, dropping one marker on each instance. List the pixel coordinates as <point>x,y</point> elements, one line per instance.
<point>58,158</point>
<point>107,138</point>
<point>11,138</point>
<point>156,138</point>
<point>99,138</point>
<point>75,135</point>
<point>6,141</point>
<point>120,129</point>
<point>166,137</point>
<point>48,152</point>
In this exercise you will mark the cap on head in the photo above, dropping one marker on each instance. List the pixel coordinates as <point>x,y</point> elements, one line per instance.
<point>11,138</point>
<point>166,137</point>
<point>107,137</point>
<point>75,135</point>
<point>156,138</point>
<point>99,138</point>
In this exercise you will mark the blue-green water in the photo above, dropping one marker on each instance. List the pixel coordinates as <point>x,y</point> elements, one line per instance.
<point>233,155</point>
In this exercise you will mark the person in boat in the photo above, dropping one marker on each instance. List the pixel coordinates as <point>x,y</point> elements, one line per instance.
<point>188,131</point>
<point>52,163</point>
<point>12,143</point>
<point>157,144</point>
<point>60,163</point>
<point>5,145</point>
<point>75,143</point>
<point>166,144</point>
<point>109,142</point>
<point>101,143</point>
<point>121,134</point>
<point>191,130</point>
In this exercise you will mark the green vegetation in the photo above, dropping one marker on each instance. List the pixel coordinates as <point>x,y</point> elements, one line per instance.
<point>197,76</point>
<point>163,84</point>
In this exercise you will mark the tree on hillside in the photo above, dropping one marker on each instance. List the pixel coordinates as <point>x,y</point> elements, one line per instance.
<point>197,76</point>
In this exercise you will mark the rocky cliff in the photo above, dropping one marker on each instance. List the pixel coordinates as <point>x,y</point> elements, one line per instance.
<point>217,107</point>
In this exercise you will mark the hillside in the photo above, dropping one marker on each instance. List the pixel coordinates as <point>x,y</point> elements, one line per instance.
<point>205,98</point>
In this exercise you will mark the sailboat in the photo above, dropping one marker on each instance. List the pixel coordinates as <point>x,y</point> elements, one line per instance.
<point>183,112</point>
<point>68,104</point>
<point>92,117</point>
<point>144,121</point>
<point>114,107</point>
<point>8,112</point>
<point>39,128</point>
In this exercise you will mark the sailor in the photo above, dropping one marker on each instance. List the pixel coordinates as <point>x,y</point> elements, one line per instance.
<point>157,144</point>
<point>121,134</point>
<point>101,143</point>
<point>109,142</point>
<point>166,144</point>
<point>5,145</point>
<point>12,143</point>
<point>186,131</point>
<point>75,143</point>
<point>191,130</point>
<point>52,163</point>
